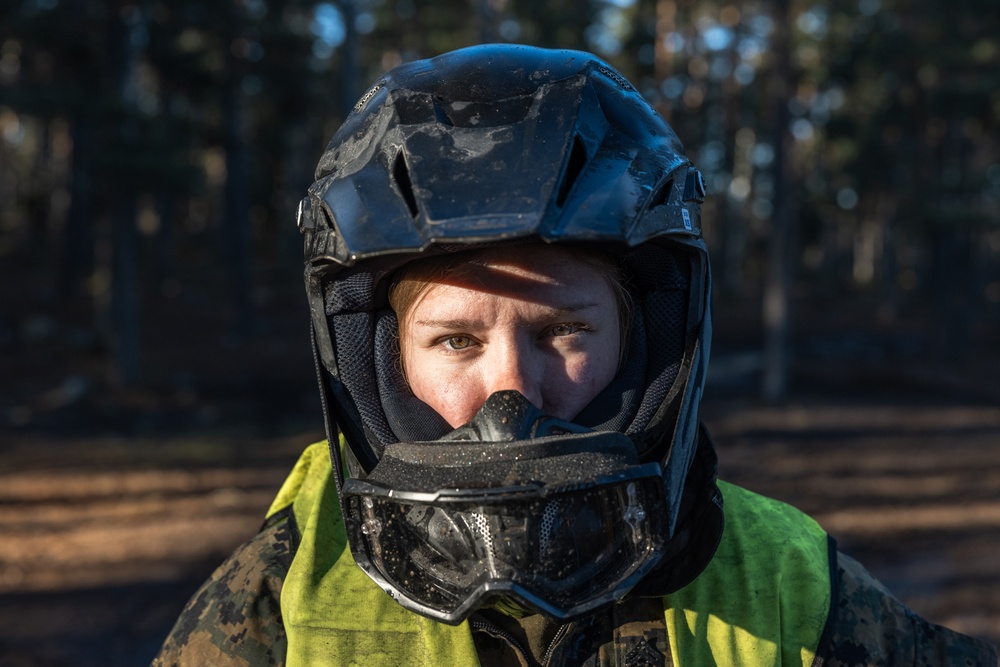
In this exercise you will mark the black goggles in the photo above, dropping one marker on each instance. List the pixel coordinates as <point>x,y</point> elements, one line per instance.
<point>560,524</point>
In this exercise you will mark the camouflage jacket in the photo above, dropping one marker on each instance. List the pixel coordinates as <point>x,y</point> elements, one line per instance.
<point>234,619</point>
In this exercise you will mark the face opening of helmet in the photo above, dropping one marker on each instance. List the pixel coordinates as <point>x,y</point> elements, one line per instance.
<point>549,321</point>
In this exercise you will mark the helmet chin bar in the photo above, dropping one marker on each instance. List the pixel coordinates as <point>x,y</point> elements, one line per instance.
<point>515,504</point>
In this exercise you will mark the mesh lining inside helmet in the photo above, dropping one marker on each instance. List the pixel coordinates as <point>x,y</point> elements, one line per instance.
<point>668,312</point>
<point>409,418</point>
<point>661,285</point>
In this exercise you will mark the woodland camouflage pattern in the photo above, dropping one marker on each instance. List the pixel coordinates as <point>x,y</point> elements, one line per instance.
<point>234,620</point>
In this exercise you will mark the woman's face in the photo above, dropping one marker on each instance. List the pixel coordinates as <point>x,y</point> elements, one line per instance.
<point>535,319</point>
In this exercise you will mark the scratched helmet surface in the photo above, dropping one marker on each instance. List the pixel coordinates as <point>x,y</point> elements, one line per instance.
<point>506,144</point>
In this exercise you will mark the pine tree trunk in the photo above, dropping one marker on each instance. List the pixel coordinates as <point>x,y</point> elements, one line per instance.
<point>78,237</point>
<point>777,279</point>
<point>124,233</point>
<point>124,289</point>
<point>236,227</point>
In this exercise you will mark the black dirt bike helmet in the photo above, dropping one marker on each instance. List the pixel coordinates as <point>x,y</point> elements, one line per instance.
<point>506,144</point>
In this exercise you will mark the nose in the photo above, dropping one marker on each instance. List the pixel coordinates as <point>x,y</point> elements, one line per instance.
<point>513,368</point>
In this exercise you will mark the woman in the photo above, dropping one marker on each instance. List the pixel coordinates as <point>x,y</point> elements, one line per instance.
<point>510,304</point>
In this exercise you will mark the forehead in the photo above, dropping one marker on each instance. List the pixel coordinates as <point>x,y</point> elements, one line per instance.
<point>553,276</point>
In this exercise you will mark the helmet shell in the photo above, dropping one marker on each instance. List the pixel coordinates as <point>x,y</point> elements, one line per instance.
<point>497,142</point>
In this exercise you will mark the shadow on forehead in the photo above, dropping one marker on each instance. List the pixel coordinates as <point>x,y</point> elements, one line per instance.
<point>514,271</point>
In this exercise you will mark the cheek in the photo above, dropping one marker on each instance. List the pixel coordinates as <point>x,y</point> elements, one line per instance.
<point>599,361</point>
<point>589,376</point>
<point>583,377</point>
<point>452,395</point>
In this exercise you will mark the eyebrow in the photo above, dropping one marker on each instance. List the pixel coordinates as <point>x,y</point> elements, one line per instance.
<point>547,314</point>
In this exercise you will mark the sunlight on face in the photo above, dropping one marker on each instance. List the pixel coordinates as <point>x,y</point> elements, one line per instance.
<point>536,319</point>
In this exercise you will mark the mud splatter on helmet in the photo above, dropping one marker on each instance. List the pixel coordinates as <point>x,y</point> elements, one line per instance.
<point>506,145</point>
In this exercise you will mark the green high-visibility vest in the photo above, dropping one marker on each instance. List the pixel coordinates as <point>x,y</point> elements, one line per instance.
<point>763,600</point>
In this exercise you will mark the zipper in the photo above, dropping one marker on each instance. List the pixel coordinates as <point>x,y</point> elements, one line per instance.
<point>560,634</point>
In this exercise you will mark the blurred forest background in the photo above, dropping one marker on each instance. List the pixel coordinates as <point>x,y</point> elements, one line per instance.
<point>152,155</point>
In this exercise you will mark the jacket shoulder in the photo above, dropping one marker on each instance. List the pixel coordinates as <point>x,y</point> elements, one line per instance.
<point>234,618</point>
<point>870,627</point>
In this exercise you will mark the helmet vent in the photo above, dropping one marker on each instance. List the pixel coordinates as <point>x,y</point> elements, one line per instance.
<point>440,114</point>
<point>661,196</point>
<point>401,174</point>
<point>575,164</point>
